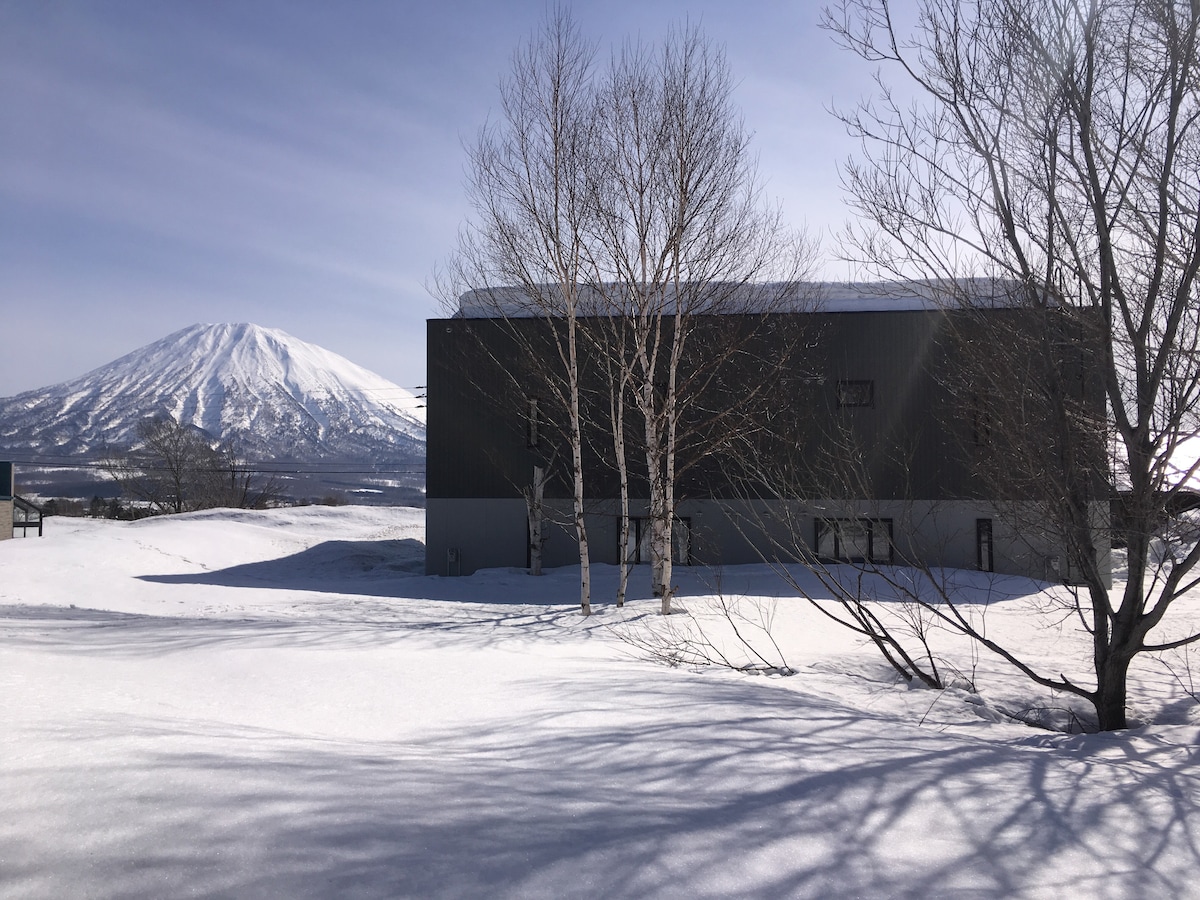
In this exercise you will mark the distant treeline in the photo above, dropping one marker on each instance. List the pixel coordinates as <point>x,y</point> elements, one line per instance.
<point>113,508</point>
<point>98,508</point>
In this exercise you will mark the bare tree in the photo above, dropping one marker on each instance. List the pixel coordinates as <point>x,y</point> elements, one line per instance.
<point>178,468</point>
<point>615,210</point>
<point>1055,143</point>
<point>618,376</point>
<point>166,469</point>
<point>681,235</point>
<point>529,188</point>
<point>236,483</point>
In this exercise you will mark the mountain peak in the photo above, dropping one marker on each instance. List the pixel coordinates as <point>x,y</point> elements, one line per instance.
<point>274,395</point>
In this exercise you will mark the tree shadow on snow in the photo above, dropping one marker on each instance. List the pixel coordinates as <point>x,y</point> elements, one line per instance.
<point>695,789</point>
<point>365,624</point>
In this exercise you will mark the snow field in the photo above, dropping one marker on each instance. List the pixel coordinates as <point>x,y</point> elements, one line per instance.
<point>277,704</point>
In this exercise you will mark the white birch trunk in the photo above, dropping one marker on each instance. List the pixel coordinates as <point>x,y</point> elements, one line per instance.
<point>585,568</point>
<point>654,477</point>
<point>617,407</point>
<point>671,421</point>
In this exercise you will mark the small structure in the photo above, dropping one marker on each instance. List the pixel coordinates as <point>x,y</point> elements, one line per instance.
<point>6,499</point>
<point>23,514</point>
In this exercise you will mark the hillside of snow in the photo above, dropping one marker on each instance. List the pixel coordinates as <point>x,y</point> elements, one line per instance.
<point>276,704</point>
<point>275,396</point>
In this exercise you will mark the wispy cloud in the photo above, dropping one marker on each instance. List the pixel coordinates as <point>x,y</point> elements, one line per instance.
<point>185,160</point>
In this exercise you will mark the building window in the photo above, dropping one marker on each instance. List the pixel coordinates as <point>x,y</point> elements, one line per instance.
<point>983,545</point>
<point>533,423</point>
<point>855,540</point>
<point>855,394</point>
<point>637,551</point>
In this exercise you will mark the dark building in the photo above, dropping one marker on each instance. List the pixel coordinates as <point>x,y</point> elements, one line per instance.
<point>852,432</point>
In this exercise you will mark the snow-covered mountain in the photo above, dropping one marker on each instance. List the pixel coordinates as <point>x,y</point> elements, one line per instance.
<point>276,397</point>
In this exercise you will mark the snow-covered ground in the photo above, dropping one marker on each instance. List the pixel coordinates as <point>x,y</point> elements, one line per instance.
<point>277,704</point>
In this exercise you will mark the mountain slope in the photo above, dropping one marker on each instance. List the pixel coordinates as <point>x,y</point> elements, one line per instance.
<point>276,397</point>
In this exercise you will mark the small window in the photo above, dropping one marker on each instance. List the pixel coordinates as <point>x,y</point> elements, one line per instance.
<point>637,551</point>
<point>533,423</point>
<point>983,545</point>
<point>855,394</point>
<point>855,540</point>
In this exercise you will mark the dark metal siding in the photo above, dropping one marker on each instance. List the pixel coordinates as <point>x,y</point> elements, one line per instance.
<point>913,441</point>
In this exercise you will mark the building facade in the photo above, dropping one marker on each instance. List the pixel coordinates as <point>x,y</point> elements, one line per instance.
<point>852,433</point>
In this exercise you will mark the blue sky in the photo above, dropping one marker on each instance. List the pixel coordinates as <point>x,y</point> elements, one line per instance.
<point>299,164</point>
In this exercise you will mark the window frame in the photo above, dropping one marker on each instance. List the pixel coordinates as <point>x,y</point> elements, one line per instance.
<point>874,529</point>
<point>847,393</point>
<point>985,545</point>
<point>681,540</point>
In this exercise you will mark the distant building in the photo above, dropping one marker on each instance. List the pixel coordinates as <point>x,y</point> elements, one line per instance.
<point>6,499</point>
<point>23,515</point>
<point>871,386</point>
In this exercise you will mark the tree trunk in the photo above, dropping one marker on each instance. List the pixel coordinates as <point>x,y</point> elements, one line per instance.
<point>585,568</point>
<point>654,476</point>
<point>1111,693</point>
<point>664,558</point>
<point>653,465</point>
<point>533,507</point>
<point>671,419</point>
<point>618,417</point>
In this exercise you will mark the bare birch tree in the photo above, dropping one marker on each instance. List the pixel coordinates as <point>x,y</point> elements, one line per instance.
<point>617,209</point>
<point>523,251</point>
<point>1056,144</point>
<point>618,376</point>
<point>682,234</point>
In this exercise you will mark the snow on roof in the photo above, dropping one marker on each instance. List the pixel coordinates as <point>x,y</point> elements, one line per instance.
<point>806,296</point>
